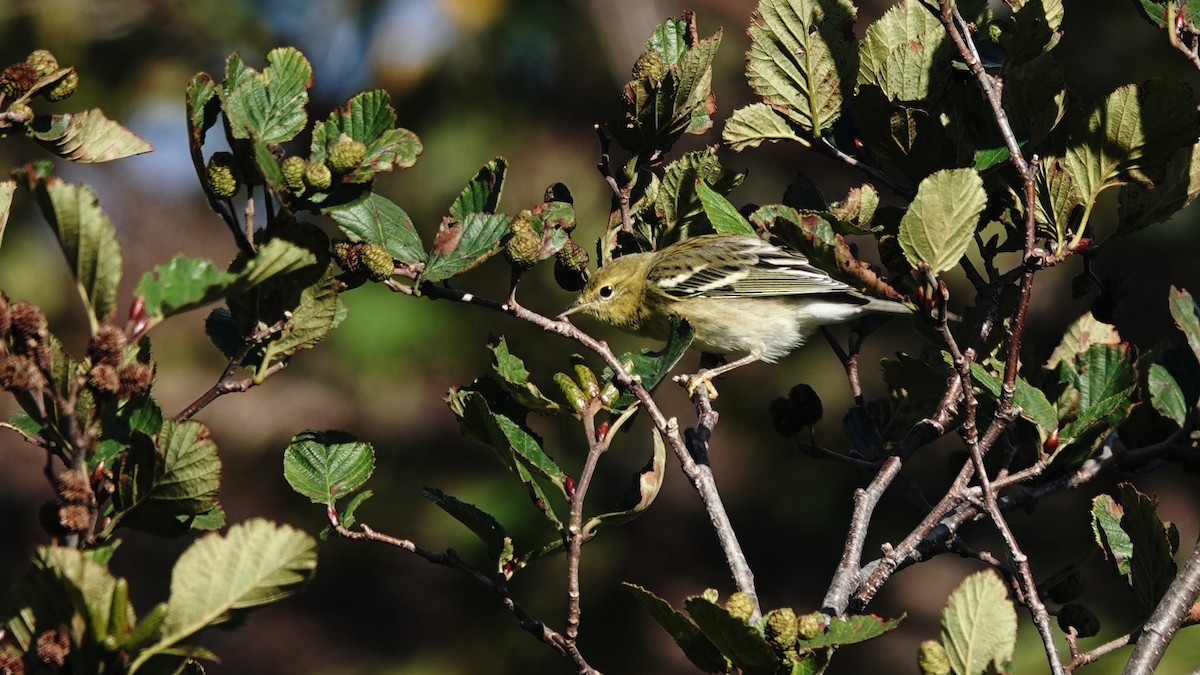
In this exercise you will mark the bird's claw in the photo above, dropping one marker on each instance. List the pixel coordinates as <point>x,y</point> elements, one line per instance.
<point>691,382</point>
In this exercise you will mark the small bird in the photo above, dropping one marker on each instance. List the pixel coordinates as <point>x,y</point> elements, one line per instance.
<point>738,293</point>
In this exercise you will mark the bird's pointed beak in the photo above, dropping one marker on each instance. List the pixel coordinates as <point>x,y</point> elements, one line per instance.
<point>571,309</point>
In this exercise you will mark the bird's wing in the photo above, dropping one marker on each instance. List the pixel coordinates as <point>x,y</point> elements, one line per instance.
<point>730,267</point>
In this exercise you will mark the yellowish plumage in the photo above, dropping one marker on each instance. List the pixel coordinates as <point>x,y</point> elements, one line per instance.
<point>738,293</point>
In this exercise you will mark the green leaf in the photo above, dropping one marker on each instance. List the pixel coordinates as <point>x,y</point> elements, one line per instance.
<point>346,513</point>
<point>906,137</point>
<point>1166,395</point>
<point>1034,405</point>
<point>802,61</point>
<point>696,647</point>
<point>515,379</point>
<point>644,490</point>
<point>517,449</point>
<point>183,284</point>
<point>461,246</point>
<point>87,137</point>
<point>221,577</point>
<point>940,223</point>
<point>677,204</point>
<point>671,93</point>
<point>1104,378</point>
<point>1129,529</point>
<point>979,624</point>
<point>1187,317</point>
<point>1035,98</point>
<point>180,285</point>
<point>318,311</point>
<point>369,119</point>
<point>66,589</point>
<point>744,646</point>
<point>178,473</point>
<point>1155,11</point>
<point>379,220</point>
<point>1082,335</point>
<point>482,194</point>
<point>748,127</point>
<point>906,54</point>
<point>7,188</point>
<point>327,465</point>
<point>852,629</point>
<point>89,240</point>
<point>1141,207</point>
<point>1035,29</point>
<point>268,106</point>
<point>721,213</point>
<point>652,366</point>
<point>1130,135</point>
<point>483,524</point>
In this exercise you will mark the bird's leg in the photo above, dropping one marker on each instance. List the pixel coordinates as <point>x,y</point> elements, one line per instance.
<point>706,375</point>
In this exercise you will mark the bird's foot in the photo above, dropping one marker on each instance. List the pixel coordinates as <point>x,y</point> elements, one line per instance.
<point>692,382</point>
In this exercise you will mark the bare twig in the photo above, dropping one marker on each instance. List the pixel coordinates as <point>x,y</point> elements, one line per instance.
<point>1190,51</point>
<point>620,192</point>
<point>575,535</point>
<point>1160,628</point>
<point>539,630</point>
<point>226,384</point>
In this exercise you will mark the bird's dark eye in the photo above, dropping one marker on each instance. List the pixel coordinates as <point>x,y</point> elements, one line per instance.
<point>606,291</point>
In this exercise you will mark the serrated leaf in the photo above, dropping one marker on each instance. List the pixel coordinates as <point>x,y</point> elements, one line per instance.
<point>721,213</point>
<point>1130,135</point>
<point>178,473</point>
<point>461,246</point>
<point>66,589</point>
<point>905,137</point>
<point>671,93</point>
<point>346,513</point>
<point>1035,29</point>
<point>1081,335</point>
<point>1129,530</point>
<point>1155,11</point>
<point>802,61</point>
<point>1034,405</point>
<point>696,647</point>
<point>645,488</point>
<point>379,220</point>
<point>1141,207</point>
<point>1104,377</point>
<point>979,624</point>
<point>1035,97</point>
<point>327,465</point>
<point>1187,317</point>
<point>744,646</point>
<point>749,126</point>
<point>941,221</point>
<point>482,193</point>
<point>318,311</point>
<point>1166,395</point>
<point>906,53</point>
<point>7,188</point>
<point>268,106</point>
<point>179,285</point>
<point>677,205</point>
<point>479,422</point>
<point>852,629</point>
<point>483,524</point>
<point>515,379</point>
<point>369,119</point>
<point>87,137</point>
<point>88,239</point>
<point>653,366</point>
<point>220,577</point>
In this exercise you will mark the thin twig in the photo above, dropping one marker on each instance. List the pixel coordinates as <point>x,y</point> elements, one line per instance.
<point>226,384</point>
<point>1160,628</point>
<point>450,559</point>
<point>575,535</point>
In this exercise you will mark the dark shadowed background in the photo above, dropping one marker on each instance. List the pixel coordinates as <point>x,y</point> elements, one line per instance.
<point>523,79</point>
